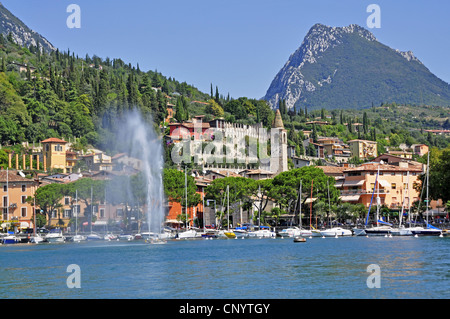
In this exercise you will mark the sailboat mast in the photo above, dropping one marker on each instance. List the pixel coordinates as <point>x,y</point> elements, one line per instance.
<point>378,196</point>
<point>300,206</point>
<point>329,204</point>
<point>185,189</point>
<point>409,200</point>
<point>228,207</point>
<point>76,209</point>
<point>92,209</point>
<point>310,206</point>
<point>428,180</point>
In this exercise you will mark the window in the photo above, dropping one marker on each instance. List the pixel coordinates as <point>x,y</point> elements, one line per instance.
<point>24,212</point>
<point>5,201</point>
<point>119,212</point>
<point>58,148</point>
<point>66,200</point>
<point>394,186</point>
<point>54,213</point>
<point>24,187</point>
<point>66,213</point>
<point>5,188</point>
<point>393,173</point>
<point>102,212</point>
<point>24,199</point>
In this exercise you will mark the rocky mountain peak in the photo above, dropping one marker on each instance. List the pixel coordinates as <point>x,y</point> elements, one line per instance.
<point>22,35</point>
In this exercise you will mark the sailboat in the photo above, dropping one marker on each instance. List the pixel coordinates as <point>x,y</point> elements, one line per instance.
<point>401,230</point>
<point>188,233</point>
<point>301,231</point>
<point>385,227</point>
<point>334,231</point>
<point>228,233</point>
<point>378,230</point>
<point>314,232</point>
<point>77,238</point>
<point>429,230</point>
<point>36,238</point>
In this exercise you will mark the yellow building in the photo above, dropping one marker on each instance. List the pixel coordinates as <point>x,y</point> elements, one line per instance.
<point>54,153</point>
<point>363,149</point>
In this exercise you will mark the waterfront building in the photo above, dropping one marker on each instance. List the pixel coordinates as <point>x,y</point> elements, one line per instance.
<point>15,188</point>
<point>175,209</point>
<point>394,188</point>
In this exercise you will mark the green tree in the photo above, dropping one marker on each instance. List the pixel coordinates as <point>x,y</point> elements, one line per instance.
<point>48,198</point>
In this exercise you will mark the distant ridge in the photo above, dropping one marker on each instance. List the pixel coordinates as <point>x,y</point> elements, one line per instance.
<point>21,34</point>
<point>346,67</point>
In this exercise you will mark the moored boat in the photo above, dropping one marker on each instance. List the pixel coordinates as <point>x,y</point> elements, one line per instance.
<point>55,236</point>
<point>10,239</point>
<point>336,231</point>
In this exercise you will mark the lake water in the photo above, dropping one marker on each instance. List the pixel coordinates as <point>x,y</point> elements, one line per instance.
<point>236,269</point>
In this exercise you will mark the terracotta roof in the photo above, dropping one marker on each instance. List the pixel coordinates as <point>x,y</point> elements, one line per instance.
<point>53,140</point>
<point>257,172</point>
<point>383,168</point>
<point>191,125</point>
<point>225,173</point>
<point>333,169</point>
<point>13,176</point>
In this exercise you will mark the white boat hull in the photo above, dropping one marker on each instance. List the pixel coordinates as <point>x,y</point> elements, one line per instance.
<point>189,234</point>
<point>262,234</point>
<point>333,232</point>
<point>55,240</point>
<point>422,231</point>
<point>401,232</point>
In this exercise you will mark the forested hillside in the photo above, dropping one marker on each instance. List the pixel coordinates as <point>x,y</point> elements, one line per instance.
<point>59,94</point>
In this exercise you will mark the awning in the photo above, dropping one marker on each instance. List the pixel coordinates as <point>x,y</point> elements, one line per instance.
<point>353,183</point>
<point>173,221</point>
<point>384,183</point>
<point>350,198</point>
<point>24,225</point>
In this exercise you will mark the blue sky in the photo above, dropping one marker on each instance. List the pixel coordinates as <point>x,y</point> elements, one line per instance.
<point>238,45</point>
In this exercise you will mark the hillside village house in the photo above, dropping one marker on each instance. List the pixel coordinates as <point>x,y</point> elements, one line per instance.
<point>14,191</point>
<point>363,149</point>
<point>54,154</point>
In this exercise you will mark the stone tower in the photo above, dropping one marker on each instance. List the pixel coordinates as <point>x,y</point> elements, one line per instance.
<point>278,157</point>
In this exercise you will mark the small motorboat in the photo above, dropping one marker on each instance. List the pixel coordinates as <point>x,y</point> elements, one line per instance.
<point>55,236</point>
<point>10,239</point>
<point>299,239</point>
<point>110,237</point>
<point>93,236</point>
<point>126,237</point>
<point>78,238</point>
<point>36,239</point>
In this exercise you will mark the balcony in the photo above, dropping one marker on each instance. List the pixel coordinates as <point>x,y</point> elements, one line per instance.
<point>363,192</point>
